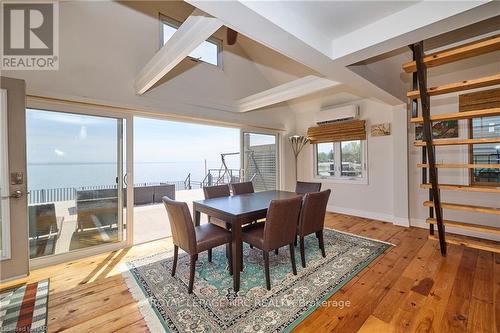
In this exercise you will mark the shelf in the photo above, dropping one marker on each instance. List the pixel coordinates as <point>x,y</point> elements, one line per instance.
<point>464,188</point>
<point>467,226</point>
<point>460,166</point>
<point>458,86</point>
<point>482,46</point>
<point>460,115</point>
<point>455,142</point>
<point>466,208</point>
<point>475,243</point>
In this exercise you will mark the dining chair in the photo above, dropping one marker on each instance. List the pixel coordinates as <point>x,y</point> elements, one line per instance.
<point>217,191</point>
<point>277,231</point>
<point>312,220</point>
<point>306,187</point>
<point>242,188</point>
<point>193,239</point>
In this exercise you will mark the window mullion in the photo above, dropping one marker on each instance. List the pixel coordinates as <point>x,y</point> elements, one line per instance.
<point>338,159</point>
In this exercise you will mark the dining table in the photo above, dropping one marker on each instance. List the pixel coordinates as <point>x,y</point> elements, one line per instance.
<point>238,210</point>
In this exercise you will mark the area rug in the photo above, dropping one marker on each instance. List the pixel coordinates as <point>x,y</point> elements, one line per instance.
<point>24,308</point>
<point>215,307</point>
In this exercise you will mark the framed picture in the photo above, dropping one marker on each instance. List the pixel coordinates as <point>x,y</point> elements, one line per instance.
<point>380,129</point>
<point>445,129</point>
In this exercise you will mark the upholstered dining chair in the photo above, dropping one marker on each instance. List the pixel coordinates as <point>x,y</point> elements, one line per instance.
<point>312,220</point>
<point>306,187</point>
<point>278,231</point>
<point>217,191</point>
<point>191,239</point>
<point>242,188</point>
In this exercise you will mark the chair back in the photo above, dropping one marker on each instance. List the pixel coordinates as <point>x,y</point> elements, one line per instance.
<point>281,221</point>
<point>216,191</point>
<point>242,188</point>
<point>181,223</point>
<point>305,187</point>
<point>312,216</point>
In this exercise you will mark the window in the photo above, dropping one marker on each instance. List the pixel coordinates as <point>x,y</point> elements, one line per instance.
<point>209,51</point>
<point>485,127</point>
<point>341,160</point>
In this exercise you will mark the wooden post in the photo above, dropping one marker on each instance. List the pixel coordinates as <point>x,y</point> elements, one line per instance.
<point>418,50</point>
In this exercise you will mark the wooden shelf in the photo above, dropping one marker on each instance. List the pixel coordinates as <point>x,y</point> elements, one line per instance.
<point>467,226</point>
<point>475,243</point>
<point>455,142</point>
<point>458,86</point>
<point>460,166</point>
<point>466,208</point>
<point>460,115</point>
<point>483,46</point>
<point>464,188</point>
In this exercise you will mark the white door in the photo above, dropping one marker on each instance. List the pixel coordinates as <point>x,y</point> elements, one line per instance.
<point>13,215</point>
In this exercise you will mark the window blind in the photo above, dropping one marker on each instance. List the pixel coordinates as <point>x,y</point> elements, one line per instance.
<point>348,131</point>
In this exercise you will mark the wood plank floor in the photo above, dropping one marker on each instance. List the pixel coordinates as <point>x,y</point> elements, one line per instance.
<point>410,288</point>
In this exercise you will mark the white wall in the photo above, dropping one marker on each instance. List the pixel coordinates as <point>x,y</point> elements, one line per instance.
<point>386,167</point>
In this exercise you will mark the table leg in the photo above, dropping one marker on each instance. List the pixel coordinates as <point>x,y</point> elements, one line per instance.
<point>236,254</point>
<point>196,217</point>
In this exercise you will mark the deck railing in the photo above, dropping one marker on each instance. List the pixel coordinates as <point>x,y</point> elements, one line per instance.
<point>39,196</point>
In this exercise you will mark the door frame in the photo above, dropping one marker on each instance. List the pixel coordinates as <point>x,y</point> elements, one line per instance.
<point>277,135</point>
<point>99,111</point>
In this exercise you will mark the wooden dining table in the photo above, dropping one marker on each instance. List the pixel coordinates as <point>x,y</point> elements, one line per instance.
<point>238,210</point>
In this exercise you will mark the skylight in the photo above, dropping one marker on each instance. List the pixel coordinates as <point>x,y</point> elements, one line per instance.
<point>208,51</point>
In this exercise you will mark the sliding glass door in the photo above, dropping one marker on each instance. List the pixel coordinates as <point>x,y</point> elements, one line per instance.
<point>75,181</point>
<point>260,160</point>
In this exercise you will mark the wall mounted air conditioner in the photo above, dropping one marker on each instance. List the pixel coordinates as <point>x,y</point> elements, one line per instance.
<point>337,114</point>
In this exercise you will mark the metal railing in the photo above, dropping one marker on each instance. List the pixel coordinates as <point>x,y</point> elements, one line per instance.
<point>221,176</point>
<point>38,196</point>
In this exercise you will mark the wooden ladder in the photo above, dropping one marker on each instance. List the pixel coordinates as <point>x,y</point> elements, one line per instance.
<point>418,67</point>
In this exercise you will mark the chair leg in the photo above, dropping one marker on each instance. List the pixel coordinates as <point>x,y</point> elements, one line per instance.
<point>296,240</point>
<point>230,261</point>
<point>192,267</point>
<point>174,264</point>
<point>241,258</point>
<point>292,258</point>
<point>251,246</point>
<point>322,244</point>
<point>318,237</point>
<point>302,252</point>
<point>266,268</point>
<point>209,255</point>
<point>228,249</point>
<point>276,251</point>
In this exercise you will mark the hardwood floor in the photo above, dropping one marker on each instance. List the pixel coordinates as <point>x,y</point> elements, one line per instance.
<point>410,288</point>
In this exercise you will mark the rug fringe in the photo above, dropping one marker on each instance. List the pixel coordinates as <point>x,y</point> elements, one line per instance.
<point>145,308</point>
<point>351,234</point>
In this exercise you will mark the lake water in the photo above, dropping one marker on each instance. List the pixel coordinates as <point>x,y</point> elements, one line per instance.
<point>60,175</point>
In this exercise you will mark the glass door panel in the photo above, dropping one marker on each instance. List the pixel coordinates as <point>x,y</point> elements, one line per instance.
<point>75,181</point>
<point>260,160</point>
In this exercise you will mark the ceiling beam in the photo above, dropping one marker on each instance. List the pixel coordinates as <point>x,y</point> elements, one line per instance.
<point>197,28</point>
<point>284,92</point>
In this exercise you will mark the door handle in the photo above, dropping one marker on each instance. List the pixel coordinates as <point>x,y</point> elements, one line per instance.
<point>15,195</point>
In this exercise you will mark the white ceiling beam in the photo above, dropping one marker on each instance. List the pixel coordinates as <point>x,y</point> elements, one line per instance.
<point>194,31</point>
<point>284,92</point>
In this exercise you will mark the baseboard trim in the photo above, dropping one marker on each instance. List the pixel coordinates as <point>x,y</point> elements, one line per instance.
<point>22,276</point>
<point>400,221</point>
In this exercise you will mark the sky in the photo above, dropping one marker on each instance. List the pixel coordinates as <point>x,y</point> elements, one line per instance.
<point>69,138</point>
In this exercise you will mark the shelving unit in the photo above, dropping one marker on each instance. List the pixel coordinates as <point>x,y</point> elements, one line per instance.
<point>418,67</point>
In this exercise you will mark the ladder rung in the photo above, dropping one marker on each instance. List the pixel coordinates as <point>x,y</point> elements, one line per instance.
<point>461,115</point>
<point>460,52</point>
<point>475,243</point>
<point>464,188</point>
<point>458,86</point>
<point>460,166</point>
<point>467,226</point>
<point>467,208</point>
<point>454,142</point>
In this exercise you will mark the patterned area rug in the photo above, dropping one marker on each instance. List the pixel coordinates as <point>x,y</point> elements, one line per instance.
<point>24,309</point>
<point>215,307</point>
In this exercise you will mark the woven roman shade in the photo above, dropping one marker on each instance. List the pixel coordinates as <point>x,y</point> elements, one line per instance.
<point>348,131</point>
